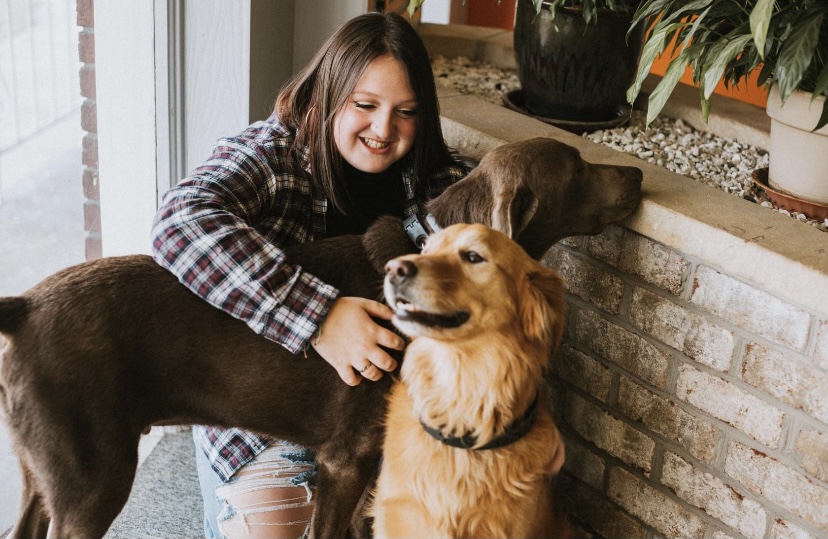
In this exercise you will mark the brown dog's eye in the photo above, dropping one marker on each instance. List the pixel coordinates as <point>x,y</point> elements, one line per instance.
<point>472,257</point>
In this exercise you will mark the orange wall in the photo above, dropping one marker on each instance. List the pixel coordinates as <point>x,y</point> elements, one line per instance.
<point>491,13</point>
<point>749,91</point>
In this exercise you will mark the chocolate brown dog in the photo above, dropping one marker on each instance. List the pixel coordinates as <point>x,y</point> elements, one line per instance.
<point>98,352</point>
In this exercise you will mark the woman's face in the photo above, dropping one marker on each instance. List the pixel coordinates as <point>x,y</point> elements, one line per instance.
<point>378,123</point>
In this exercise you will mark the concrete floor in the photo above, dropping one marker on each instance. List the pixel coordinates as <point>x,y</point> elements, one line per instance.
<point>41,231</point>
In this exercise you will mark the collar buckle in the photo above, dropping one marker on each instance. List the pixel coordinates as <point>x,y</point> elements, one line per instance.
<point>415,230</point>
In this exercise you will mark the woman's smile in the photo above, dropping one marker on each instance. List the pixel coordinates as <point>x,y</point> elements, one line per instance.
<point>378,124</point>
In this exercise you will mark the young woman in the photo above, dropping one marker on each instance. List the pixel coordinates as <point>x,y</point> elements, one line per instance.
<point>354,135</point>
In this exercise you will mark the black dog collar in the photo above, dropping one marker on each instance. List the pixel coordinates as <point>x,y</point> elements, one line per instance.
<point>514,432</point>
<point>417,232</point>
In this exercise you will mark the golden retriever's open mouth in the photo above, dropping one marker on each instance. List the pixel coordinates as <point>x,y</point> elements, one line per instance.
<point>405,311</point>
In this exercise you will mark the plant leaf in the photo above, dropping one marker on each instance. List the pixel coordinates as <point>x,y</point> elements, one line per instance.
<point>821,83</point>
<point>759,21</point>
<point>796,55</point>
<point>764,74</point>
<point>413,6</point>
<point>823,120</point>
<point>689,37</point>
<point>720,56</point>
<point>689,7</point>
<point>538,5</point>
<point>654,46</point>
<point>705,108</point>
<point>647,9</point>
<point>664,88</point>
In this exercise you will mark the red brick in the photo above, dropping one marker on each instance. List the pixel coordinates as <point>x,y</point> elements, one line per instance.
<point>91,216</point>
<point>90,150</point>
<point>91,188</point>
<point>89,116</point>
<point>86,46</point>
<point>87,81</point>
<point>86,13</point>
<point>94,248</point>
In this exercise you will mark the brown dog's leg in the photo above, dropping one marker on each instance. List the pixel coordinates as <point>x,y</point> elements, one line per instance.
<point>339,489</point>
<point>85,482</point>
<point>361,522</point>
<point>89,510</point>
<point>33,521</point>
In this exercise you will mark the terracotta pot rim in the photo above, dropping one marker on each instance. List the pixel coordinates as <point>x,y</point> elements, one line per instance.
<point>778,196</point>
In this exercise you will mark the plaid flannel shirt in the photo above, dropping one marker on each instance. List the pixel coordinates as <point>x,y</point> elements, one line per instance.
<point>220,231</point>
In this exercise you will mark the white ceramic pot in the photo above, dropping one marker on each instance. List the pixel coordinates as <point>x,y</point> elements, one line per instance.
<point>798,156</point>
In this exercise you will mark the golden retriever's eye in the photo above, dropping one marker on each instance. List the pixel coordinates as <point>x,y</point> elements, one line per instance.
<point>472,257</point>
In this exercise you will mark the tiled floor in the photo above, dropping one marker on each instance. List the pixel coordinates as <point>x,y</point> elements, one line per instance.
<point>41,231</point>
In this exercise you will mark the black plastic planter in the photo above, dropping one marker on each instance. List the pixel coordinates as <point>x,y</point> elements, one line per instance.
<point>569,70</point>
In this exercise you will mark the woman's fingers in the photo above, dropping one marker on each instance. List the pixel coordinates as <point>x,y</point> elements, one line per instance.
<point>353,343</point>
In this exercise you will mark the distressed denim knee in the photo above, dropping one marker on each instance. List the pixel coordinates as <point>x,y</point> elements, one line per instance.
<point>270,497</point>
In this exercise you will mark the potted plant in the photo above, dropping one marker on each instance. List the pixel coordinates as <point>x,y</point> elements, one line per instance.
<point>575,60</point>
<point>726,40</point>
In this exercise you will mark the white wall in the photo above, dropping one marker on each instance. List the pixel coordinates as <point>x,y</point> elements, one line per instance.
<point>436,11</point>
<point>315,21</point>
<point>125,90</point>
<point>173,76</point>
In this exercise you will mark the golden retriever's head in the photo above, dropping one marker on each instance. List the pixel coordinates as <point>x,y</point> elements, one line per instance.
<point>470,281</point>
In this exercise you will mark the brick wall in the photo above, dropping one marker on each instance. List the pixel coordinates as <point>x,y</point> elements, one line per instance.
<point>89,123</point>
<point>693,404</point>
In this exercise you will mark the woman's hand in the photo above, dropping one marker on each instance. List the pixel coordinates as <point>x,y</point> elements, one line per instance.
<point>350,341</point>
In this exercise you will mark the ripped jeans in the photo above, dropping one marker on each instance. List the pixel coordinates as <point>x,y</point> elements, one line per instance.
<point>271,496</point>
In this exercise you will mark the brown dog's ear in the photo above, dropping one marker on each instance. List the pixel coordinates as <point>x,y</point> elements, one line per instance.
<point>543,311</point>
<point>513,209</point>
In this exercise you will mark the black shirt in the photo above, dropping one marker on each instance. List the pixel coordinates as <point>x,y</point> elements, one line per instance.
<point>368,196</point>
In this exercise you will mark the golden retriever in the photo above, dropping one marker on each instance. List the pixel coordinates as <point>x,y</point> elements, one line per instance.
<point>470,447</point>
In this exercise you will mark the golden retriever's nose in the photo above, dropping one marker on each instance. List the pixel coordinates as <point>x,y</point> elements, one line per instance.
<point>400,270</point>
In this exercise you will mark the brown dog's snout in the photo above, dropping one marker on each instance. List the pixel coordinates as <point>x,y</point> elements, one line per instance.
<point>634,173</point>
<point>400,270</point>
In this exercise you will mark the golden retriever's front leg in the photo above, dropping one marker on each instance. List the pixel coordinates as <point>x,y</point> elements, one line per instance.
<point>398,518</point>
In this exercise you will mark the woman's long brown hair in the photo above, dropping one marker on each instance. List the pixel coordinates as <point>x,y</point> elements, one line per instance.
<point>309,101</point>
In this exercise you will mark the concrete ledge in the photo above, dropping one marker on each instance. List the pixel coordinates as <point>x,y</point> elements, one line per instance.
<point>787,258</point>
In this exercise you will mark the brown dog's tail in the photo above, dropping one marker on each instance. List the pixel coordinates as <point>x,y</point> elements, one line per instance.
<point>12,313</point>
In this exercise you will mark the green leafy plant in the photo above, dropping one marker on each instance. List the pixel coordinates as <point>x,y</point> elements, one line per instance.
<point>787,40</point>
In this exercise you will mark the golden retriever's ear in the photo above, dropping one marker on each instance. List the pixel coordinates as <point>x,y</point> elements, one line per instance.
<point>543,311</point>
<point>513,208</point>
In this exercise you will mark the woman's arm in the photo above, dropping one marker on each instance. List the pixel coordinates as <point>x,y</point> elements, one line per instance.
<point>218,231</point>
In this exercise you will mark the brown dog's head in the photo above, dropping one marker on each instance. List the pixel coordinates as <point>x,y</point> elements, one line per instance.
<point>472,282</point>
<point>539,191</point>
